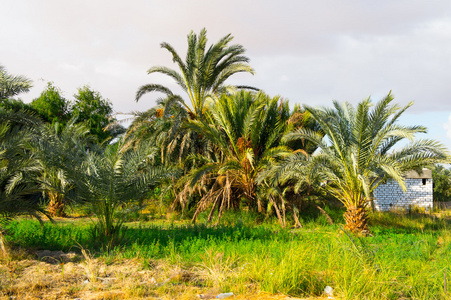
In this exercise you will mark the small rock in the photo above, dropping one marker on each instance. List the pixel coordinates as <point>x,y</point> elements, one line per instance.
<point>329,291</point>
<point>224,295</point>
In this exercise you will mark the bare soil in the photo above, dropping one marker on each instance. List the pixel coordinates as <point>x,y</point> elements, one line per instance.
<point>57,275</point>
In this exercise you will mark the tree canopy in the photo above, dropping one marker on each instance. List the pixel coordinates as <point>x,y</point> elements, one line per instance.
<point>52,106</point>
<point>215,147</point>
<point>95,112</point>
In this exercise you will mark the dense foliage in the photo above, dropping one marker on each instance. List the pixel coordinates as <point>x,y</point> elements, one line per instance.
<point>19,191</point>
<point>52,106</point>
<point>217,147</point>
<point>442,183</point>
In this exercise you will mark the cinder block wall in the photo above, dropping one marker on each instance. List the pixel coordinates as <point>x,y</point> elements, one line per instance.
<point>390,195</point>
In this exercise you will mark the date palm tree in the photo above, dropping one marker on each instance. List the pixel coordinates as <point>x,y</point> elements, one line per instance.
<point>204,72</point>
<point>359,152</point>
<point>246,129</point>
<point>18,165</point>
<point>61,153</point>
<point>202,77</point>
<point>11,85</point>
<point>114,178</point>
<point>162,126</point>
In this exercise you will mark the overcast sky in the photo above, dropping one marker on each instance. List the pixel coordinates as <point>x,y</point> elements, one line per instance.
<point>309,52</point>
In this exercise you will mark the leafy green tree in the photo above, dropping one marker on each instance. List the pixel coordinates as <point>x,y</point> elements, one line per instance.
<point>96,113</point>
<point>358,153</point>
<point>12,85</point>
<point>442,183</point>
<point>293,179</point>
<point>16,105</point>
<point>204,72</point>
<point>52,106</point>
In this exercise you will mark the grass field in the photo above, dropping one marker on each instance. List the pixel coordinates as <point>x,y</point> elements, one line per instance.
<point>407,257</point>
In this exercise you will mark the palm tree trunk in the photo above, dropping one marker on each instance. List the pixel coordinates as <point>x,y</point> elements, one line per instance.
<point>56,204</point>
<point>325,214</point>
<point>297,223</point>
<point>356,219</point>
<point>2,245</point>
<point>279,216</point>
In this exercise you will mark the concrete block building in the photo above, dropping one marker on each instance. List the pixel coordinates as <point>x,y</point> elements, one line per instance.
<point>388,196</point>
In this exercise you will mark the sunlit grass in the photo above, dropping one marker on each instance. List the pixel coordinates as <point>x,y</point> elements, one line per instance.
<point>406,257</point>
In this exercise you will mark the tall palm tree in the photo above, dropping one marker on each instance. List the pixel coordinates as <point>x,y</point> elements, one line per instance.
<point>11,85</point>
<point>359,152</point>
<point>202,76</point>
<point>204,72</point>
<point>246,129</point>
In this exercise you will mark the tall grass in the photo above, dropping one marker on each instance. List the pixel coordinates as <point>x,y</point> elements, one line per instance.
<point>407,256</point>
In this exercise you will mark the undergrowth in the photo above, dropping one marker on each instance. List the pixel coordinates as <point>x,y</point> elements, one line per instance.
<point>407,256</point>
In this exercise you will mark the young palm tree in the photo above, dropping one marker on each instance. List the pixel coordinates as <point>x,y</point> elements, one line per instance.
<point>246,129</point>
<point>116,177</point>
<point>18,165</point>
<point>11,85</point>
<point>61,154</point>
<point>356,156</point>
<point>204,72</point>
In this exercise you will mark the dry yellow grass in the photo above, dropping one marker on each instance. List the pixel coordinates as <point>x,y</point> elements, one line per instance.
<point>55,275</point>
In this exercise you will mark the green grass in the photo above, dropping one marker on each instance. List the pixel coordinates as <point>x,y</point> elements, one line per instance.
<point>407,256</point>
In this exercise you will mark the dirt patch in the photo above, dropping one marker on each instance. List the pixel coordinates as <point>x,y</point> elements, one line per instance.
<point>57,256</point>
<point>58,275</point>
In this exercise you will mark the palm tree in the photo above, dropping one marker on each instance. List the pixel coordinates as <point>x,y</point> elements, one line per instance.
<point>356,156</point>
<point>11,85</point>
<point>203,74</point>
<point>163,128</point>
<point>116,177</point>
<point>61,153</point>
<point>19,193</point>
<point>246,129</point>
